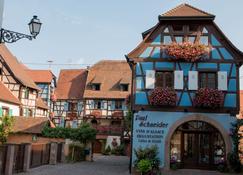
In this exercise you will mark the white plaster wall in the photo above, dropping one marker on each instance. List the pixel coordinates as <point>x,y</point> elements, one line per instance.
<point>1,12</point>
<point>15,108</point>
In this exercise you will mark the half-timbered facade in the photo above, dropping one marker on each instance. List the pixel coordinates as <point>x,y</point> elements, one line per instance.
<point>68,106</point>
<point>46,81</point>
<point>14,77</point>
<point>9,104</point>
<point>107,87</point>
<point>184,103</point>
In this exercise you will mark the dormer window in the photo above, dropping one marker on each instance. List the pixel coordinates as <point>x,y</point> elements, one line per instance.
<point>124,87</point>
<point>96,87</point>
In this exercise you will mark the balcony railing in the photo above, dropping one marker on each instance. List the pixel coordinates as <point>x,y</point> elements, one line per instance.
<point>109,130</point>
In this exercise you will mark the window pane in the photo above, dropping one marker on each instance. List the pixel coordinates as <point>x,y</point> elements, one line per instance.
<point>204,40</point>
<point>168,79</point>
<point>159,79</point>
<point>203,80</point>
<point>191,39</point>
<point>167,40</point>
<point>179,39</point>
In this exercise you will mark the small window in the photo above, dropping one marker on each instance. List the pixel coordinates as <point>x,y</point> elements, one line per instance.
<point>207,80</point>
<point>179,39</point>
<point>124,87</point>
<point>1,71</point>
<point>164,79</point>
<point>72,106</point>
<point>97,104</point>
<point>26,93</point>
<point>118,104</point>
<point>96,87</point>
<point>177,28</point>
<point>5,111</point>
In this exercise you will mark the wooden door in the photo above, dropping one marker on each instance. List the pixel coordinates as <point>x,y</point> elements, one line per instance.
<point>97,146</point>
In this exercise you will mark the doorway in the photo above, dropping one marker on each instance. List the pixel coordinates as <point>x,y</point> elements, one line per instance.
<point>198,145</point>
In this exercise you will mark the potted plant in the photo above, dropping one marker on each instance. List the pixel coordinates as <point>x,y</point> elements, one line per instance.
<point>144,166</point>
<point>209,98</point>
<point>187,51</point>
<point>163,97</point>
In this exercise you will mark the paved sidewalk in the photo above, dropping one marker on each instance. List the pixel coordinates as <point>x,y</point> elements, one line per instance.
<point>103,165</point>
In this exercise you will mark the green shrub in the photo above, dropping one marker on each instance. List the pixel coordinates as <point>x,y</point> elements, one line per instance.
<point>149,153</point>
<point>76,153</point>
<point>83,134</point>
<point>144,166</point>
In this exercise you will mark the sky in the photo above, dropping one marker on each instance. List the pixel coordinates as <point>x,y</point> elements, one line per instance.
<point>78,33</point>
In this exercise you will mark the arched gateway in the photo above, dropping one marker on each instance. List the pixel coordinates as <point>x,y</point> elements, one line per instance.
<point>196,142</point>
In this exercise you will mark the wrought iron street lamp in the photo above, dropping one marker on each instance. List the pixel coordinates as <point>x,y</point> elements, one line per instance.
<point>11,36</point>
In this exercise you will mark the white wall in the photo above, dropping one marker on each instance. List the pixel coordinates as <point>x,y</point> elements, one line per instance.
<point>15,108</point>
<point>241,78</point>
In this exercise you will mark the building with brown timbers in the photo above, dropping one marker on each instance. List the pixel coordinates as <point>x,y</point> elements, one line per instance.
<point>69,103</point>
<point>20,84</point>
<point>107,87</point>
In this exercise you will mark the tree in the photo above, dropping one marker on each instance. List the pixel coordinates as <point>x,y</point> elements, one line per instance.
<point>6,124</point>
<point>84,134</point>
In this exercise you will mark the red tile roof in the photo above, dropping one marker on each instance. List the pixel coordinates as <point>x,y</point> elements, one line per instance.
<point>7,96</point>
<point>41,104</point>
<point>17,68</point>
<point>41,76</point>
<point>110,74</point>
<point>31,125</point>
<point>71,84</point>
<point>186,10</point>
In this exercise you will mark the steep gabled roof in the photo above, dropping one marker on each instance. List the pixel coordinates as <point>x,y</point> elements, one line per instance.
<point>110,74</point>
<point>41,76</point>
<point>7,96</point>
<point>17,68</point>
<point>71,84</point>
<point>41,104</point>
<point>186,11</point>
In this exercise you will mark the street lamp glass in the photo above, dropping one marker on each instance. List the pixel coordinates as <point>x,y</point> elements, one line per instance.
<point>35,26</point>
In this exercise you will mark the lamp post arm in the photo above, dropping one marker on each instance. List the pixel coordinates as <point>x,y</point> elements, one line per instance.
<point>8,36</point>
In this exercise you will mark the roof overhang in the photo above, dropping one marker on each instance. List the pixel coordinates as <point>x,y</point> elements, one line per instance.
<point>185,18</point>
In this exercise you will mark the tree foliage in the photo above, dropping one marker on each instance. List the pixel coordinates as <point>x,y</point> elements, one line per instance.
<point>6,124</point>
<point>83,134</point>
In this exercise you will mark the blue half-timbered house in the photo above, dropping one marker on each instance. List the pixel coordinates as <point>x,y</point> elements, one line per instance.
<point>185,89</point>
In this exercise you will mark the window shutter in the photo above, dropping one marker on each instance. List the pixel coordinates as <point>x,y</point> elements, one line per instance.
<point>66,106</point>
<point>103,104</point>
<point>91,104</point>
<point>222,81</point>
<point>193,80</point>
<point>113,105</point>
<point>1,112</point>
<point>150,79</point>
<point>178,80</point>
<point>10,112</point>
<point>80,106</point>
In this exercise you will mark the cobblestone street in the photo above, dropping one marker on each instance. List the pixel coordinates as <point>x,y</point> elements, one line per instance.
<point>103,165</point>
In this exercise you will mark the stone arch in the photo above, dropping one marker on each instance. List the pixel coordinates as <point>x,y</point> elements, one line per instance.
<point>198,117</point>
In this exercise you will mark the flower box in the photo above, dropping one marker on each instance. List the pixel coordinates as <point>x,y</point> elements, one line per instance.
<point>209,98</point>
<point>163,97</point>
<point>187,51</point>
